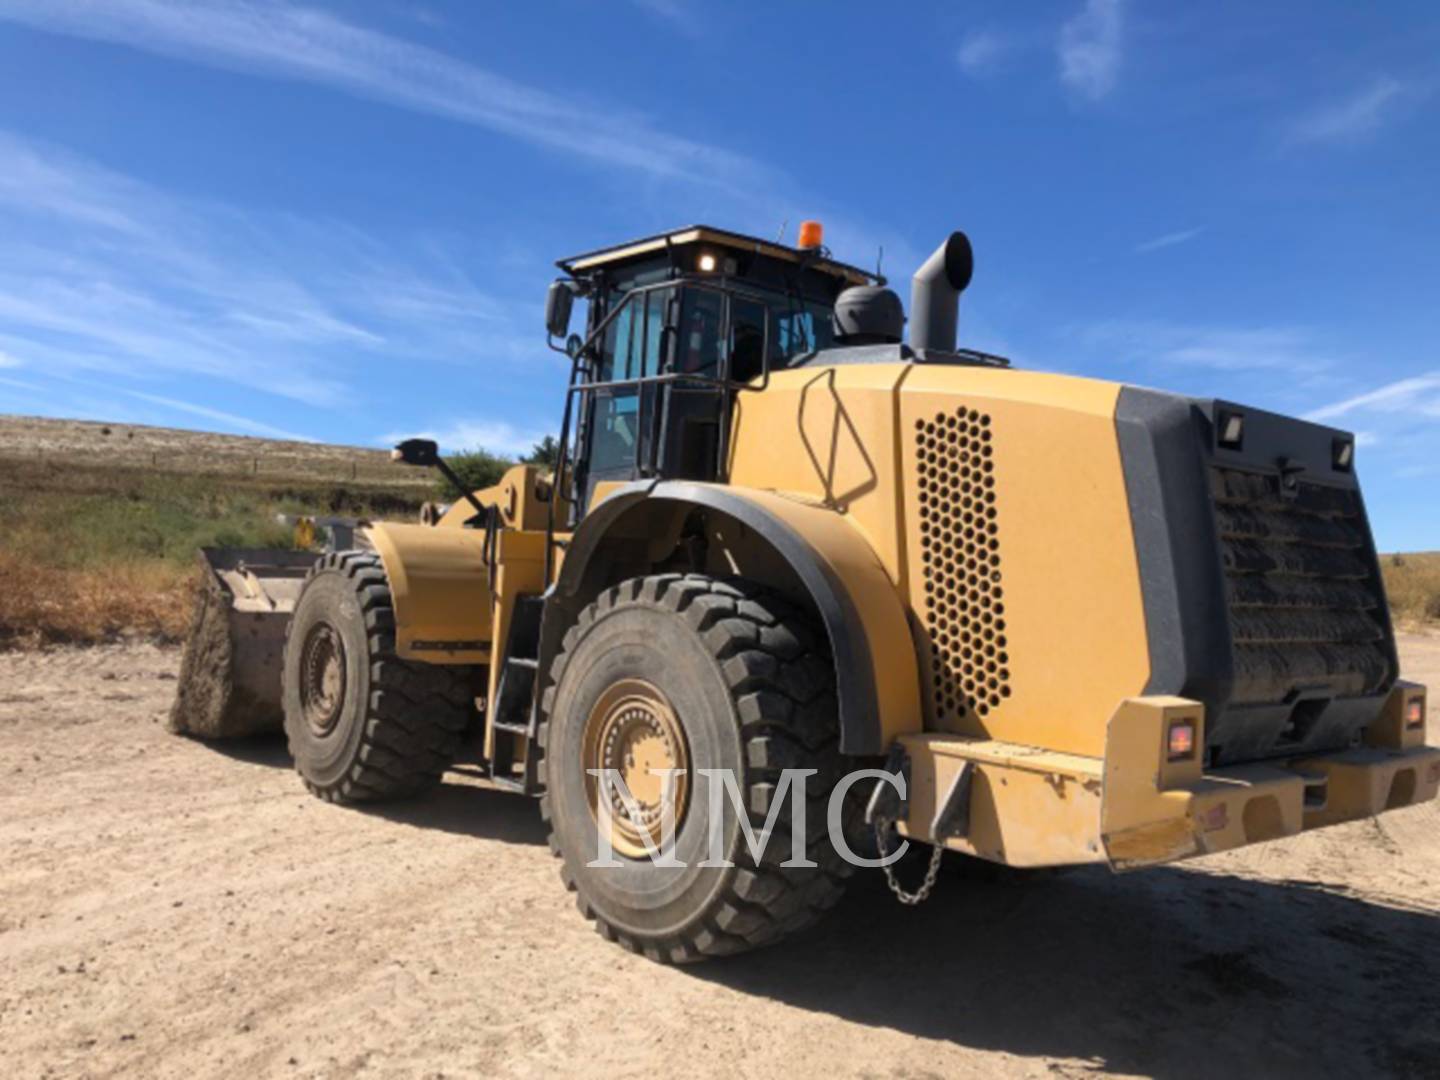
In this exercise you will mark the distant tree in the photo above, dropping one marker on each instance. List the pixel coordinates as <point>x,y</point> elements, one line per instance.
<point>545,453</point>
<point>477,468</point>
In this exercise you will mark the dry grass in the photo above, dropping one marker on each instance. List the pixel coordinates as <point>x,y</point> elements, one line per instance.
<point>93,552</point>
<point>45,605</point>
<point>1413,584</point>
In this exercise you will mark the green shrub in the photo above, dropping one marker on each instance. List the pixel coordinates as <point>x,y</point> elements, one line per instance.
<point>477,468</point>
<point>545,453</point>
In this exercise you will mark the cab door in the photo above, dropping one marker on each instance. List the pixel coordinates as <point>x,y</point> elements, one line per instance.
<point>659,403</point>
<point>619,413</point>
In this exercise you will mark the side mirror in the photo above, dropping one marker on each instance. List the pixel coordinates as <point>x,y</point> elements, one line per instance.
<point>416,452</point>
<point>558,303</point>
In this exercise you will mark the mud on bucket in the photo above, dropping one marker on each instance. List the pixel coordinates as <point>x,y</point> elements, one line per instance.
<point>229,684</point>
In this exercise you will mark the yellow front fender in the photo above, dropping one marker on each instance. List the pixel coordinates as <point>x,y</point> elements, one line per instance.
<point>857,602</point>
<point>440,590</point>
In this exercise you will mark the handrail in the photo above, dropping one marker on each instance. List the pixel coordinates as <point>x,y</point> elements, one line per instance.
<point>725,387</point>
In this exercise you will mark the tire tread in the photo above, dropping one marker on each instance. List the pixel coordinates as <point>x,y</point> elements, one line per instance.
<point>417,713</point>
<point>781,683</point>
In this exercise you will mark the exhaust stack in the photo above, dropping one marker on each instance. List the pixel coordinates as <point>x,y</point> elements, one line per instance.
<point>935,294</point>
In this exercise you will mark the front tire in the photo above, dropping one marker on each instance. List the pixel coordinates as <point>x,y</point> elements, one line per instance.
<point>364,725</point>
<point>692,672</point>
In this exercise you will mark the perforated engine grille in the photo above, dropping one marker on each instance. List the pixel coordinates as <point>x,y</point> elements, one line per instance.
<point>960,564</point>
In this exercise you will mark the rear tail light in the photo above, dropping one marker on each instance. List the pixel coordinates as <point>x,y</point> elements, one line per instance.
<point>1215,818</point>
<point>1415,712</point>
<point>1180,742</point>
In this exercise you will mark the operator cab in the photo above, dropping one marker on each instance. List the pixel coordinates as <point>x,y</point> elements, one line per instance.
<point>677,325</point>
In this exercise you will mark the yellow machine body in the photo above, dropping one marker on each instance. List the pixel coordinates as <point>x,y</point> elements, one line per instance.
<point>1043,554</point>
<point>442,592</point>
<point>1131,807</point>
<point>1067,751</point>
<point>977,521</point>
<point>452,587</point>
<point>1084,621</point>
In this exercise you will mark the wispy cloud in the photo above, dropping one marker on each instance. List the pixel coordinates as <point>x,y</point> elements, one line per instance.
<point>1351,118</point>
<point>48,182</point>
<point>1399,422</point>
<point>1090,49</point>
<point>1286,349</point>
<point>121,280</point>
<point>8,361</point>
<point>1417,396</point>
<point>268,39</point>
<point>498,437</point>
<point>982,51</point>
<point>310,45</point>
<point>1168,240</point>
<point>243,423</point>
<point>20,384</point>
<point>681,14</point>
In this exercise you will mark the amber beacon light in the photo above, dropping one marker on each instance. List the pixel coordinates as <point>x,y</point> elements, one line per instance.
<point>812,234</point>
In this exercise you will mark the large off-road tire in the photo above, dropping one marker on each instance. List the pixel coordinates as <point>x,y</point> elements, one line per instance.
<point>691,672</point>
<point>364,725</point>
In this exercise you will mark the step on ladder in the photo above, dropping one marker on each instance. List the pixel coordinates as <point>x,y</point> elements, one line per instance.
<point>513,765</point>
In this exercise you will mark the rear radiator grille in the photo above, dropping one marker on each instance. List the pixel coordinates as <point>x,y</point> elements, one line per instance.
<point>960,562</point>
<point>1305,607</point>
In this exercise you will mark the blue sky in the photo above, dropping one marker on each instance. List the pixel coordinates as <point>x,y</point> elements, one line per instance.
<point>337,221</point>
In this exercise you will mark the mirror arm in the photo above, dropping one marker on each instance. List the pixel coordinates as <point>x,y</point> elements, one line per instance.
<point>460,485</point>
<point>423,452</point>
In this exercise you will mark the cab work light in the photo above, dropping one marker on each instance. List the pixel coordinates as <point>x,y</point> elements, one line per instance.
<point>1342,454</point>
<point>706,263</point>
<point>1180,742</point>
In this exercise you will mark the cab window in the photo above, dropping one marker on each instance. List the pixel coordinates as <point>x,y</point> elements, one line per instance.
<point>614,430</point>
<point>633,344</point>
<point>747,339</point>
<point>615,344</point>
<point>699,335</point>
<point>801,328</point>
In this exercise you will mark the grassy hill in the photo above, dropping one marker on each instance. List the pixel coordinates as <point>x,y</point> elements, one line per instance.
<point>171,450</point>
<point>100,522</point>
<point>1413,584</point>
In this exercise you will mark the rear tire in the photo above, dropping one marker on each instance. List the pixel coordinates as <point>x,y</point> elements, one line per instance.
<point>364,725</point>
<point>752,689</point>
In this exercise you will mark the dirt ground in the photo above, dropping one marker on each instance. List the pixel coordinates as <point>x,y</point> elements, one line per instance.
<point>175,909</point>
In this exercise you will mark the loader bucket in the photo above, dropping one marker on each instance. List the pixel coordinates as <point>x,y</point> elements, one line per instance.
<point>229,681</point>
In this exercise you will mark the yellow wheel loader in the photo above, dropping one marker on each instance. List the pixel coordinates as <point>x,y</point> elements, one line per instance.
<point>801,591</point>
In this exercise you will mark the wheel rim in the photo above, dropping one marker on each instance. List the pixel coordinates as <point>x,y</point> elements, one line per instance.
<point>322,678</point>
<point>633,729</point>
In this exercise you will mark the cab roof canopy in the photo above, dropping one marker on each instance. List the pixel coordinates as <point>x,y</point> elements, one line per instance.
<point>680,241</point>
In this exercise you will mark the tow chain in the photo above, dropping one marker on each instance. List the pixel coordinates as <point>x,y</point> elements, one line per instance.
<point>920,895</point>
